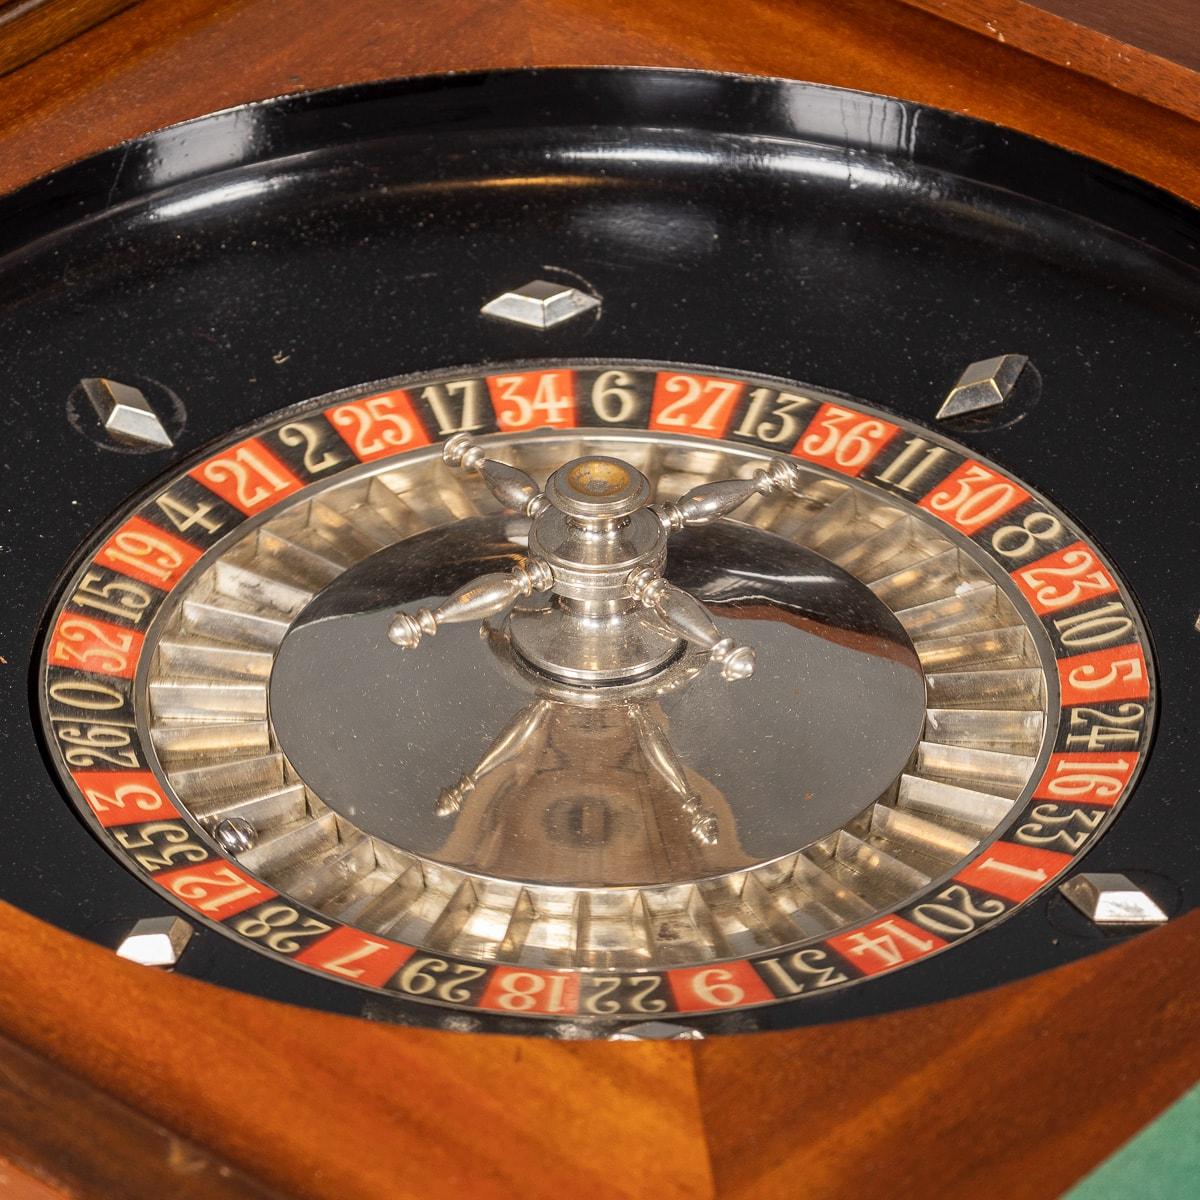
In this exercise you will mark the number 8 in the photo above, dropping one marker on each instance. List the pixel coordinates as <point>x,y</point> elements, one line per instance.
<point>1027,535</point>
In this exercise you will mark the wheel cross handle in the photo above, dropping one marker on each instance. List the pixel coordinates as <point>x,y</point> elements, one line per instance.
<point>599,546</point>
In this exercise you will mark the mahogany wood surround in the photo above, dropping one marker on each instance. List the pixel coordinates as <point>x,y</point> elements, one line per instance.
<point>266,1099</point>
<point>1150,48</point>
<point>31,27</point>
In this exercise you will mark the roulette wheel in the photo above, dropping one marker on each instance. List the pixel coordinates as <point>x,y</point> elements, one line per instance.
<point>605,559</point>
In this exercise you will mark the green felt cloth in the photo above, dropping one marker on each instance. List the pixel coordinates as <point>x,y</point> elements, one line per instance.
<point>1160,1163</point>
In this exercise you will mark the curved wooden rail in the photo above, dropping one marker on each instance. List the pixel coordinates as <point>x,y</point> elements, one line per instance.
<point>166,60</point>
<point>1014,1092</point>
<point>1009,1093</point>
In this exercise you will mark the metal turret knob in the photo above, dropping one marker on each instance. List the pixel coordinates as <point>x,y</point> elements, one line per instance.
<point>510,485</point>
<point>476,601</point>
<point>689,618</point>
<point>599,547</point>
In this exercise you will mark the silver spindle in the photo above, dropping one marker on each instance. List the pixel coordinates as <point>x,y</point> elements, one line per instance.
<point>525,733</point>
<point>597,542</point>
<point>687,617</point>
<point>475,601</point>
<point>510,485</point>
<point>661,756</point>
<point>710,501</point>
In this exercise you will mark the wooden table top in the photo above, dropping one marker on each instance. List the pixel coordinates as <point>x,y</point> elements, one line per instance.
<point>1150,48</point>
<point>166,60</point>
<point>321,1106</point>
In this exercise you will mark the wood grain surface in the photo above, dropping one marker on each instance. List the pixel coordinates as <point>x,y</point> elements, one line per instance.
<point>1012,1093</point>
<point>166,60</point>
<point>29,28</point>
<point>1008,1093</point>
<point>60,1136</point>
<point>336,1108</point>
<point>1150,48</point>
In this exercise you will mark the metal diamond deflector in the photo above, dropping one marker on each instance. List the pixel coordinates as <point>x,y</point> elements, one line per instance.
<point>540,304</point>
<point>156,941</point>
<point>1112,900</point>
<point>657,1031</point>
<point>125,413</point>
<point>983,385</point>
